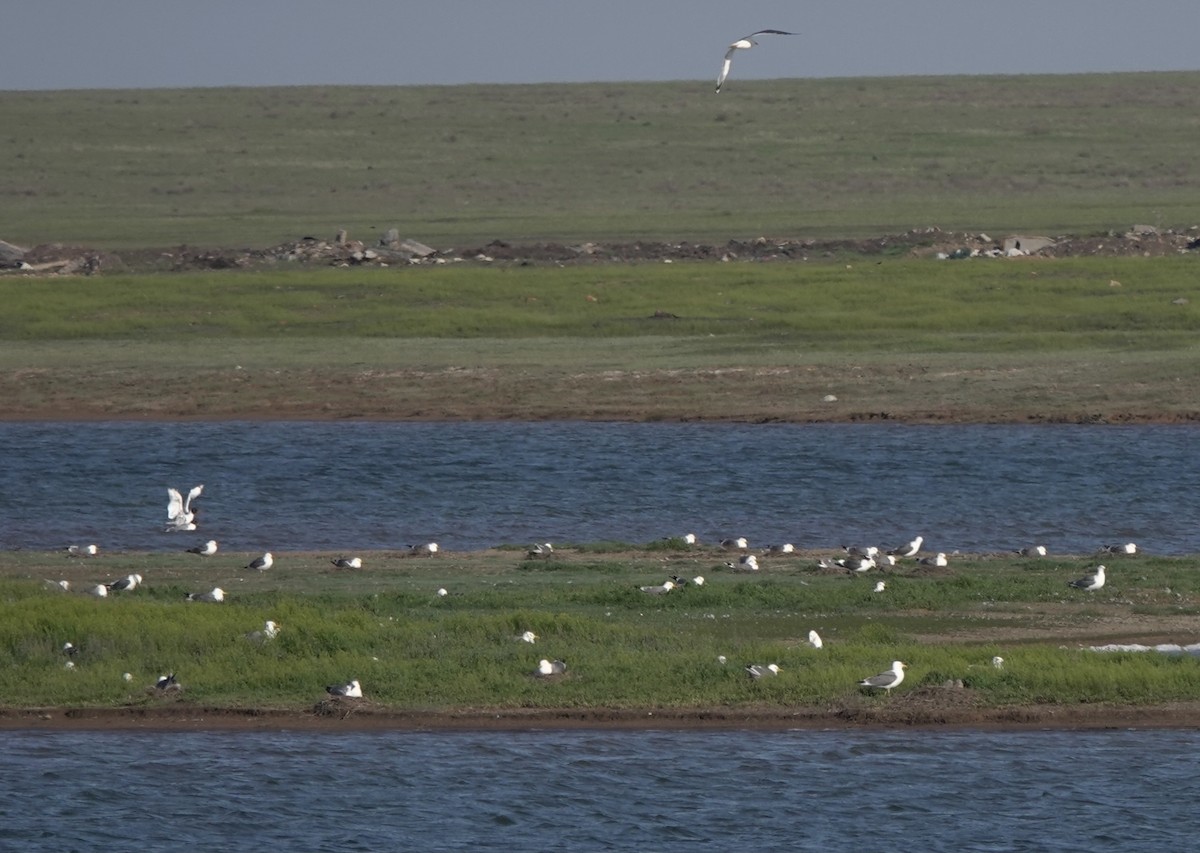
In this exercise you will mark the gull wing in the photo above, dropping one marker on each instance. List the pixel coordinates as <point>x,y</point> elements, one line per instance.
<point>174,504</point>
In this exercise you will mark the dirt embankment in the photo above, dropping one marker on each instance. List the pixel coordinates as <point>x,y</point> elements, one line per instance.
<point>927,707</point>
<point>341,250</point>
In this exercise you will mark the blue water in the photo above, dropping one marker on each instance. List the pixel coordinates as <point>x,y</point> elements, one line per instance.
<point>592,790</point>
<point>359,486</point>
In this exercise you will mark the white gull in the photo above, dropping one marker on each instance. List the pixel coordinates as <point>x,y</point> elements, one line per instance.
<point>180,513</point>
<point>744,43</point>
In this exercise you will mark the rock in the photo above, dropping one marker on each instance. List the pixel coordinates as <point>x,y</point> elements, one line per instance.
<point>419,250</point>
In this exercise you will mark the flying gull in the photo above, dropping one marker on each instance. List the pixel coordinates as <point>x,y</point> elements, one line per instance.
<point>261,564</point>
<point>215,594</point>
<point>909,550</point>
<point>206,550</point>
<point>886,680</point>
<point>743,44</point>
<point>1093,580</point>
<point>347,562</point>
<point>548,667</point>
<point>353,690</point>
<point>180,514</point>
<point>755,670</point>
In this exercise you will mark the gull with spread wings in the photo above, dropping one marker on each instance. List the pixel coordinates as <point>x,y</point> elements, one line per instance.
<point>744,44</point>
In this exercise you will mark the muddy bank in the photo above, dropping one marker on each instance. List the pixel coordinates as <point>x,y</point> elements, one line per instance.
<point>926,708</point>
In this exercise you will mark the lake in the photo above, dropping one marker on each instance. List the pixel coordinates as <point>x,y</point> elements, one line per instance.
<point>595,790</point>
<point>284,486</point>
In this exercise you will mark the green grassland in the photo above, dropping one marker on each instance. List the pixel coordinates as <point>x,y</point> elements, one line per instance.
<point>467,164</point>
<point>415,650</point>
<point>1055,339</point>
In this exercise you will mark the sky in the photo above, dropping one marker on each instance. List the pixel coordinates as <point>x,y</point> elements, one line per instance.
<point>68,44</point>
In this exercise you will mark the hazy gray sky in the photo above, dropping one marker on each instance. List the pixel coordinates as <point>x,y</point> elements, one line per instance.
<point>63,44</point>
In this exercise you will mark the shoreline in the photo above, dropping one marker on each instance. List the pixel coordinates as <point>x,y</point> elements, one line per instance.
<point>907,712</point>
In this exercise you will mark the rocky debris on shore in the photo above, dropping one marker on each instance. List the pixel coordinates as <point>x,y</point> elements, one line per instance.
<point>392,249</point>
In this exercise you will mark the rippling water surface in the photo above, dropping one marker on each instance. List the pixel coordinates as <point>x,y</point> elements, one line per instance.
<point>588,790</point>
<point>333,486</point>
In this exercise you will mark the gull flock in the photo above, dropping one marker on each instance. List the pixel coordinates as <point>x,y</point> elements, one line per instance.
<point>854,561</point>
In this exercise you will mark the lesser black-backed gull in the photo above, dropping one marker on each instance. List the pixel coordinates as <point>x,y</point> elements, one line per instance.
<point>1090,582</point>
<point>888,679</point>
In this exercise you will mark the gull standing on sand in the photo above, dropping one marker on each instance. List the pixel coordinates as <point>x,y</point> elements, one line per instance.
<point>261,564</point>
<point>1090,582</point>
<point>888,679</point>
<point>353,690</point>
<point>180,514</point>
<point>744,43</point>
<point>206,550</point>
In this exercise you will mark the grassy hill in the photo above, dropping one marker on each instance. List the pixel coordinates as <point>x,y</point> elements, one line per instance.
<point>468,164</point>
